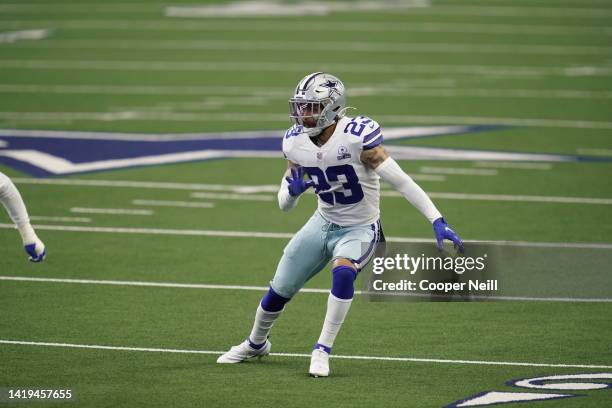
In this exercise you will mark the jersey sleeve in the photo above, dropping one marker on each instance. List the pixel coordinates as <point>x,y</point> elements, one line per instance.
<point>372,134</point>
<point>288,139</point>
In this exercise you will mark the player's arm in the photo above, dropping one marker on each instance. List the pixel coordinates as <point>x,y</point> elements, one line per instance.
<point>12,201</point>
<point>292,186</point>
<point>379,160</point>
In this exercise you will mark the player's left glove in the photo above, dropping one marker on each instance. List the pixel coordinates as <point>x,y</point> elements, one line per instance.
<point>36,250</point>
<point>443,231</point>
<point>297,184</point>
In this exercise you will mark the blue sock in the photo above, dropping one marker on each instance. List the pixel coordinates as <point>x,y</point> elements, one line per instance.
<point>255,346</point>
<point>322,347</point>
<point>342,282</point>
<point>273,302</point>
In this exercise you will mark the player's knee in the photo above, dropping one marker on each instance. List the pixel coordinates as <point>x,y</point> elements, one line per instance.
<point>344,262</point>
<point>343,277</point>
<point>273,302</point>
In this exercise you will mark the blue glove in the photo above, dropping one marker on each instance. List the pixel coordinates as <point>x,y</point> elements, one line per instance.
<point>443,231</point>
<point>297,184</point>
<point>36,250</point>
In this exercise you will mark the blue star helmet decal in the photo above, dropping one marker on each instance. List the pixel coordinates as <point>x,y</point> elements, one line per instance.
<point>330,84</point>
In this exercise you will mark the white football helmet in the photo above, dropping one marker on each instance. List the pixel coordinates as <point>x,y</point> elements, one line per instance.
<point>318,101</point>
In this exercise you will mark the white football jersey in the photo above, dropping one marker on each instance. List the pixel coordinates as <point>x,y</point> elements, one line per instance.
<point>348,191</point>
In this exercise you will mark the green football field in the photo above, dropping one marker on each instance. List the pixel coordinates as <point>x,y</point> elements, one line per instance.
<point>133,308</point>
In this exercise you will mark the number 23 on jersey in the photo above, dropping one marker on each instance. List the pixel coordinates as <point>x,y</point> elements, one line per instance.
<point>344,174</point>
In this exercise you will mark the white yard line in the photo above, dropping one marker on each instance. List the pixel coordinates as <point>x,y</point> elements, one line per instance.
<point>265,288</point>
<point>243,9</point>
<point>455,92</point>
<point>338,47</point>
<point>506,11</point>
<point>460,171</point>
<point>141,115</point>
<point>510,197</point>
<point>165,116</point>
<point>177,204</point>
<point>117,211</point>
<point>147,284</point>
<point>93,89</point>
<point>571,3</point>
<point>67,8</point>
<point>512,165</point>
<point>240,197</point>
<point>260,6</point>
<point>300,355</point>
<point>519,198</point>
<point>59,165</point>
<point>440,154</point>
<point>238,91</point>
<point>416,90</point>
<point>594,152</point>
<point>148,184</point>
<point>161,231</point>
<point>486,120</point>
<point>279,26</point>
<point>496,93</point>
<point>270,188</point>
<point>268,8</point>
<point>288,235</point>
<point>59,219</point>
<point>227,66</point>
<point>28,35</point>
<point>274,188</point>
<point>147,137</point>
<point>418,8</point>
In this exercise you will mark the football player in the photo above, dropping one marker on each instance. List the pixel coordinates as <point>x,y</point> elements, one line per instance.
<point>12,201</point>
<point>344,159</point>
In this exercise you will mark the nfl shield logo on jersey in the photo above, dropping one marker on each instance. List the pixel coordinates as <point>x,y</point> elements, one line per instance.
<point>319,156</point>
<point>343,153</point>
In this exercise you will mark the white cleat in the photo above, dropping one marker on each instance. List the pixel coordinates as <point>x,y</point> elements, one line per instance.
<point>319,363</point>
<point>244,351</point>
<point>36,249</point>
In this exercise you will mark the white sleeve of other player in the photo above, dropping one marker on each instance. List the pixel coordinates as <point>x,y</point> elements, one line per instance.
<point>12,201</point>
<point>393,174</point>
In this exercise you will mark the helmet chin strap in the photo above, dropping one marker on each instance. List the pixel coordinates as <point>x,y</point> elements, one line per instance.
<point>313,133</point>
<point>342,112</point>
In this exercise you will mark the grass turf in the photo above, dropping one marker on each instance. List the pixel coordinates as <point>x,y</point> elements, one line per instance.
<point>201,319</point>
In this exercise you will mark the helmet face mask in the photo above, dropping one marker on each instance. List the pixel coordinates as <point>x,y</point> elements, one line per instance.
<point>306,112</point>
<point>318,101</point>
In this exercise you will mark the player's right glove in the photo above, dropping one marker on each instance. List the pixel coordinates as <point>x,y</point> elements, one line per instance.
<point>36,250</point>
<point>297,184</point>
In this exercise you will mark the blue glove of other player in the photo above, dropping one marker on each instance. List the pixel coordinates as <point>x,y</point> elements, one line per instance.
<point>443,231</point>
<point>297,184</point>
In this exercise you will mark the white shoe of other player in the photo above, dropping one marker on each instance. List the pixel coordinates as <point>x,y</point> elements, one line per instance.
<point>319,362</point>
<point>36,250</point>
<point>243,352</point>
